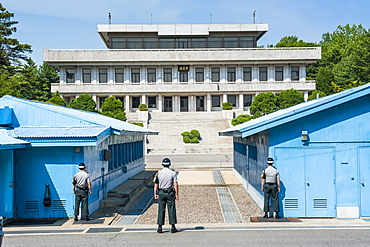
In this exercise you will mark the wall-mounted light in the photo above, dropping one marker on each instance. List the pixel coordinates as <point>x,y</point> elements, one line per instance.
<point>304,135</point>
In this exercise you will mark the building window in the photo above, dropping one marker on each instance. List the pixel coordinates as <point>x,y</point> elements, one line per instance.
<point>248,42</point>
<point>231,74</point>
<point>135,75</point>
<point>295,73</point>
<point>215,74</point>
<point>183,43</point>
<point>101,100</point>
<point>118,43</point>
<point>263,73</point>
<point>167,43</point>
<point>151,75</point>
<point>279,73</point>
<point>215,42</point>
<point>119,76</point>
<point>199,74</point>
<point>152,102</point>
<point>184,76</point>
<point>103,75</point>
<point>216,101</point>
<point>86,75</point>
<point>167,74</point>
<point>150,43</point>
<point>231,42</point>
<point>134,43</point>
<point>232,99</point>
<point>199,43</point>
<point>247,74</point>
<point>247,100</point>
<point>70,75</point>
<point>135,101</point>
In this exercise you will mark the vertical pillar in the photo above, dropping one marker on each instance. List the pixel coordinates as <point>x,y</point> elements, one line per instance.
<point>209,102</point>
<point>143,99</point>
<point>127,103</point>
<point>224,98</point>
<point>241,102</point>
<point>160,103</point>
<point>305,93</point>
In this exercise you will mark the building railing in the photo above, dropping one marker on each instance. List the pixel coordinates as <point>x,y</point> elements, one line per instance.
<point>185,83</point>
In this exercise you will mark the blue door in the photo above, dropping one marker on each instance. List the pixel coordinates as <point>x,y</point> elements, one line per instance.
<point>307,181</point>
<point>6,183</point>
<point>364,160</point>
<point>320,182</point>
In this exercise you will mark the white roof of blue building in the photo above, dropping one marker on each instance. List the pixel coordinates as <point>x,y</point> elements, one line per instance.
<point>36,121</point>
<point>295,112</point>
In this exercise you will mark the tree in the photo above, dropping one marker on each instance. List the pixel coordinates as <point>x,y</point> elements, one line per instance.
<point>8,84</point>
<point>324,80</point>
<point>263,104</point>
<point>56,99</point>
<point>350,85</point>
<point>83,102</point>
<point>241,119</point>
<point>293,41</point>
<point>10,49</point>
<point>316,94</point>
<point>113,107</point>
<point>289,98</point>
<point>47,76</point>
<point>346,52</point>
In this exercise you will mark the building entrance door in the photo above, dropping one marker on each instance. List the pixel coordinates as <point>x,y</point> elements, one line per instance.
<point>200,103</point>
<point>167,104</point>
<point>184,103</point>
<point>364,156</point>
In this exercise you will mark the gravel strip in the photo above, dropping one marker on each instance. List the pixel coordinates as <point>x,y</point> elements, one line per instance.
<point>200,204</point>
<point>197,204</point>
<point>247,207</point>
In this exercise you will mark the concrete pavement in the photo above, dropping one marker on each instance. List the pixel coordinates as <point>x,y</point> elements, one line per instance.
<point>106,219</point>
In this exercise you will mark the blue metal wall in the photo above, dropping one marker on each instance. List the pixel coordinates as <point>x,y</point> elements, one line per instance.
<point>6,183</point>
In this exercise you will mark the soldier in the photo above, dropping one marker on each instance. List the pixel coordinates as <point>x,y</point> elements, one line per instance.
<point>81,188</point>
<point>166,190</point>
<point>270,186</point>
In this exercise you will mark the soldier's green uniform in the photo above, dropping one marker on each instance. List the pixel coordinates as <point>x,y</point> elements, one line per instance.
<point>165,191</point>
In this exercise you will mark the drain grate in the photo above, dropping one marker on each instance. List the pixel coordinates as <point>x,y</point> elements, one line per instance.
<point>105,229</point>
<point>137,208</point>
<point>228,206</point>
<point>217,176</point>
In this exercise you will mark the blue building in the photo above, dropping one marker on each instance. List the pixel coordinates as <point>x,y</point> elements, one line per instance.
<point>42,144</point>
<point>322,150</point>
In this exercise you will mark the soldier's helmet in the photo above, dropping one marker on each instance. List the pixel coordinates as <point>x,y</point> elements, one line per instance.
<point>166,162</point>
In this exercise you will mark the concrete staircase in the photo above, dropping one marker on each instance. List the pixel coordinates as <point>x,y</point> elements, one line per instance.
<point>172,124</point>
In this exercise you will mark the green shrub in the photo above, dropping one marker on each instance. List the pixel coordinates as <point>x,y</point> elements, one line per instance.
<point>191,136</point>
<point>138,124</point>
<point>227,106</point>
<point>195,133</point>
<point>241,119</point>
<point>186,133</point>
<point>186,139</point>
<point>143,107</point>
<point>194,140</point>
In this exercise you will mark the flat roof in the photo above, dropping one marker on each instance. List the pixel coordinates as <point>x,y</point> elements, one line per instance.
<point>181,29</point>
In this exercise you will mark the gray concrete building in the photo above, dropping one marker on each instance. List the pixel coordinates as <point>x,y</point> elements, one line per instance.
<point>181,68</point>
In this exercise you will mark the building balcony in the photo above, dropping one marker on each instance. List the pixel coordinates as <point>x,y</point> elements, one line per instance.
<point>190,87</point>
<point>58,58</point>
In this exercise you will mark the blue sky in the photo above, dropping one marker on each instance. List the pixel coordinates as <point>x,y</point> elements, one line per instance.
<point>72,24</point>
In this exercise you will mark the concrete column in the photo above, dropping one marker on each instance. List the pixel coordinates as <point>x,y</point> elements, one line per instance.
<point>111,75</point>
<point>143,99</point>
<point>305,93</point>
<point>224,98</point>
<point>241,101</point>
<point>160,103</point>
<point>209,102</point>
<point>192,103</point>
<point>302,72</point>
<point>127,103</point>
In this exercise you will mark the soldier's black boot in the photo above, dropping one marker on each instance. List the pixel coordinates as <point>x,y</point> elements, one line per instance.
<point>276,216</point>
<point>266,216</point>
<point>173,229</point>
<point>159,230</point>
<point>75,219</point>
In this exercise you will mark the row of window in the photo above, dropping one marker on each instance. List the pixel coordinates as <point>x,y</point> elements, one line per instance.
<point>124,153</point>
<point>182,43</point>
<point>183,74</point>
<point>216,101</point>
